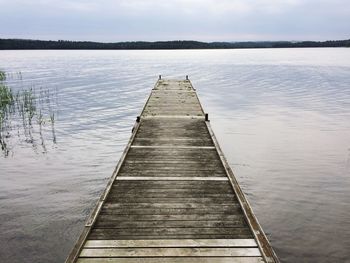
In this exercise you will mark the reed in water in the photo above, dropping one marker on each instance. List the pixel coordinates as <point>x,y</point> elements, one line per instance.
<point>24,114</point>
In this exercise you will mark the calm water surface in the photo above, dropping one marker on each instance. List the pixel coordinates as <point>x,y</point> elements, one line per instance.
<point>282,117</point>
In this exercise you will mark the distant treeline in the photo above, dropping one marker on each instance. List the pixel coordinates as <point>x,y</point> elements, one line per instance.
<point>63,44</point>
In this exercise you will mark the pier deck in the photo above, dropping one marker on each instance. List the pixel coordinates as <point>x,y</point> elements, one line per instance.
<point>172,197</point>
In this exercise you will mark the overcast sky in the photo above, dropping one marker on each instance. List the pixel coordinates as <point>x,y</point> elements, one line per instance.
<point>203,20</point>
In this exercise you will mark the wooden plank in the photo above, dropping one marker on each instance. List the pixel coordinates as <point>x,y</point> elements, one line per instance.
<point>200,117</point>
<point>171,243</point>
<point>183,211</point>
<point>173,165</point>
<point>171,190</point>
<point>178,173</point>
<point>175,136</point>
<point>150,170</point>
<point>172,178</point>
<point>162,224</point>
<point>170,236</point>
<point>127,171</point>
<point>199,167</point>
<point>178,153</point>
<point>169,151</point>
<point>174,155</point>
<point>171,111</point>
<point>126,184</point>
<point>208,190</point>
<point>177,98</point>
<point>184,133</point>
<point>174,260</point>
<point>201,200</point>
<point>174,147</point>
<point>187,128</point>
<point>201,158</point>
<point>168,162</point>
<point>121,206</point>
<point>161,170</point>
<point>172,184</point>
<point>167,107</point>
<point>179,114</point>
<point>167,142</point>
<point>117,194</point>
<point>163,139</point>
<point>179,127</point>
<point>161,129</point>
<point>170,91</point>
<point>170,217</point>
<point>174,109</point>
<point>112,233</point>
<point>171,252</point>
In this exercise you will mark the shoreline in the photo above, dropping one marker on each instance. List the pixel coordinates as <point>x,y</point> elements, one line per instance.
<point>28,44</point>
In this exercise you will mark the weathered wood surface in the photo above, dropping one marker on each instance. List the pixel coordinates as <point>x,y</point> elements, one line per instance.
<point>172,197</point>
<point>173,260</point>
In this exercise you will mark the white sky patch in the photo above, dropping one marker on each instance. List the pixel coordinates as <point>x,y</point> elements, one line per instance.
<point>206,20</point>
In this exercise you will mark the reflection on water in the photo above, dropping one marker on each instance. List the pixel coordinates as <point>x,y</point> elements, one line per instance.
<point>25,115</point>
<point>280,115</point>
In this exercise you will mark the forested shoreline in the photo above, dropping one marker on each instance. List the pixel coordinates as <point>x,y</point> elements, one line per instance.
<point>16,44</point>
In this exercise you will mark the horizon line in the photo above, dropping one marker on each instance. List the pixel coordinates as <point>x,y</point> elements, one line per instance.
<point>176,40</point>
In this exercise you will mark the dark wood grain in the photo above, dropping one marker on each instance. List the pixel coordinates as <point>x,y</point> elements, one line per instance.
<point>172,184</point>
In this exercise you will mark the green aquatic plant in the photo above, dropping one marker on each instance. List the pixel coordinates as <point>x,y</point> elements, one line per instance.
<point>6,96</point>
<point>23,116</point>
<point>2,75</point>
<point>6,104</point>
<point>29,102</point>
<point>24,113</point>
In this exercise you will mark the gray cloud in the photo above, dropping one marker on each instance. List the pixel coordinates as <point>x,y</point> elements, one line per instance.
<point>207,20</point>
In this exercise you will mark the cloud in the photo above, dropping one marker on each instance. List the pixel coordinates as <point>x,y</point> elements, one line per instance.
<point>210,20</point>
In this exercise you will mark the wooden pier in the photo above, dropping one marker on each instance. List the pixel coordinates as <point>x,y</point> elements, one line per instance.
<point>172,197</point>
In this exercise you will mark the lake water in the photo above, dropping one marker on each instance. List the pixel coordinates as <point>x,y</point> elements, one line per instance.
<point>282,117</point>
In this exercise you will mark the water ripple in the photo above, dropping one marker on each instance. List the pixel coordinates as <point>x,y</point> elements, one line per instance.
<point>281,116</point>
